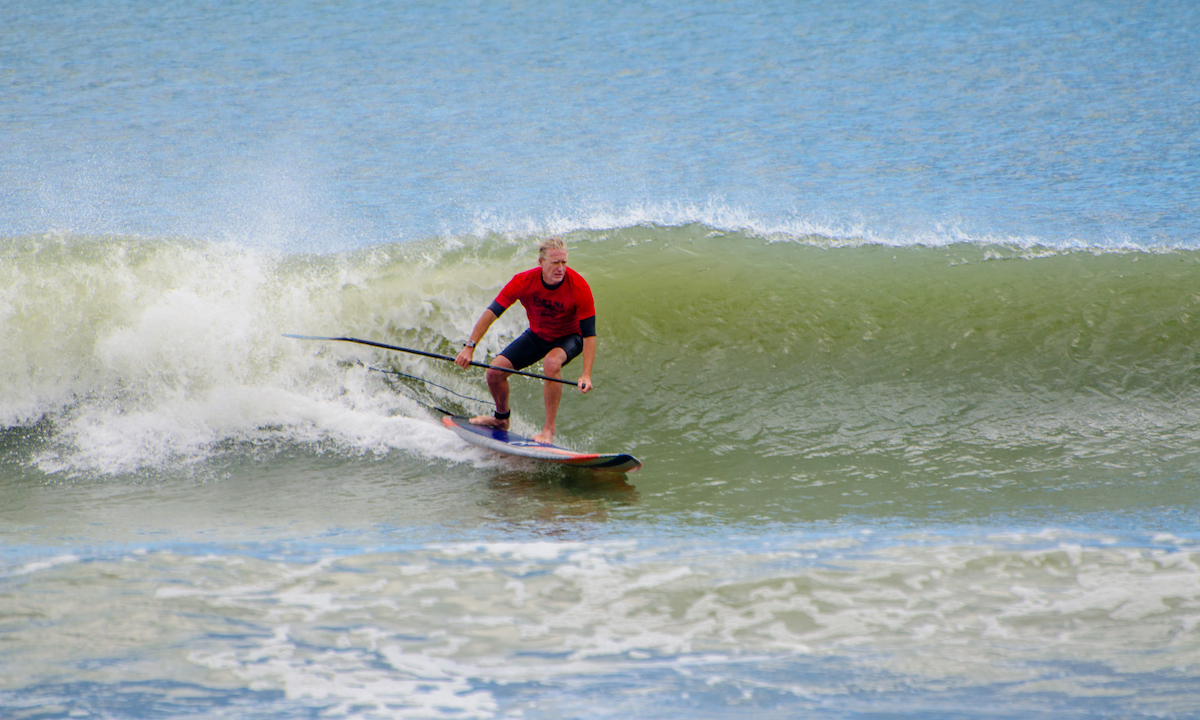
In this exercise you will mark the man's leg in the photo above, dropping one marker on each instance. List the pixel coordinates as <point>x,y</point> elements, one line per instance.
<point>497,381</point>
<point>551,392</point>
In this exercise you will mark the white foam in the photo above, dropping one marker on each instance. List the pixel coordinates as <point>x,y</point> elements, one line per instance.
<point>158,353</point>
<point>431,629</point>
<point>39,565</point>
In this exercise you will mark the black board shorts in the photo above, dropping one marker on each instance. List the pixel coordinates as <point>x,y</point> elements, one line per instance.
<point>529,348</point>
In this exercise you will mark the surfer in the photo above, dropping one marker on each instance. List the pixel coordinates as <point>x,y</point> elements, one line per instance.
<point>562,326</point>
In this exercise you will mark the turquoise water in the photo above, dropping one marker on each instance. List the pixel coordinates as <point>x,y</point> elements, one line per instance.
<point>898,305</point>
<point>357,123</point>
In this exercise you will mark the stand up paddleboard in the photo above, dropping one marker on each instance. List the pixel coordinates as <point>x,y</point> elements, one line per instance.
<point>509,443</point>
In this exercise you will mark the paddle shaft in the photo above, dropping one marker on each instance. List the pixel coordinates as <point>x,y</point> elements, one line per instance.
<point>423,353</point>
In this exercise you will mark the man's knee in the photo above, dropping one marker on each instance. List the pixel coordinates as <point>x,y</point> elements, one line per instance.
<point>554,362</point>
<point>493,375</point>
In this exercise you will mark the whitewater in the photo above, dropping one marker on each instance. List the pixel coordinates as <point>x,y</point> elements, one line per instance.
<point>898,305</point>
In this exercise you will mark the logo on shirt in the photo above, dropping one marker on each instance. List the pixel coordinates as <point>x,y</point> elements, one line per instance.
<point>549,307</point>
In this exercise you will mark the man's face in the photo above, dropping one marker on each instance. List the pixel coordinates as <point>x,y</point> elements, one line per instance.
<point>554,266</point>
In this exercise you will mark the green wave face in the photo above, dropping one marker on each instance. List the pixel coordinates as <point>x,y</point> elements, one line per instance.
<point>815,370</point>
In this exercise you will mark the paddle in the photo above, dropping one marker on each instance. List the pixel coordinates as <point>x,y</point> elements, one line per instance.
<point>431,355</point>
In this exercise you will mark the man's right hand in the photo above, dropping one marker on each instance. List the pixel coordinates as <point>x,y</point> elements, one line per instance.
<point>464,356</point>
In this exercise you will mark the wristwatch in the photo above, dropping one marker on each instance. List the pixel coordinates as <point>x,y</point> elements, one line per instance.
<point>469,343</point>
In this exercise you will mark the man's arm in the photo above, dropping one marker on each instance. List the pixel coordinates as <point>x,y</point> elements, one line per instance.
<point>481,327</point>
<point>589,357</point>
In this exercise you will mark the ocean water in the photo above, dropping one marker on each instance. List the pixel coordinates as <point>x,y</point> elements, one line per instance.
<point>898,303</point>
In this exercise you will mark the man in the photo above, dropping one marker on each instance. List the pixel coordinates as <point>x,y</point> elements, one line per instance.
<point>562,325</point>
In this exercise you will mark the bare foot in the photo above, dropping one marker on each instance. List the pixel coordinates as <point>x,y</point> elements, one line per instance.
<point>545,437</point>
<point>490,421</point>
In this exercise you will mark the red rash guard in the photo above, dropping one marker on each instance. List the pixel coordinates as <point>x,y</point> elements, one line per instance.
<point>553,312</point>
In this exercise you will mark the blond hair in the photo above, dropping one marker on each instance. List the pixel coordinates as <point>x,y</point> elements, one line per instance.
<point>549,244</point>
